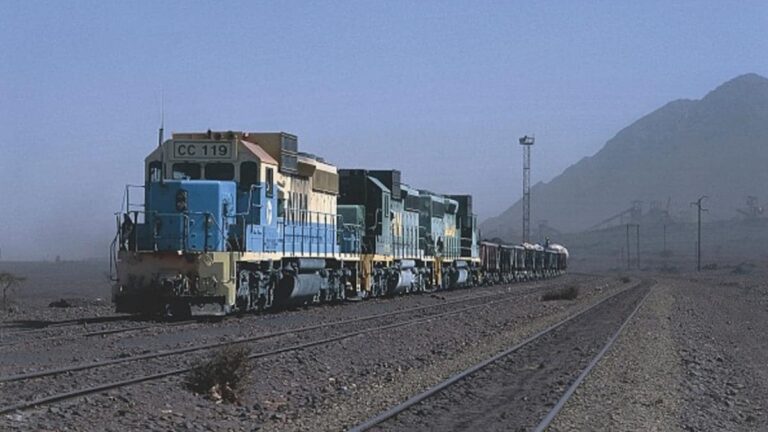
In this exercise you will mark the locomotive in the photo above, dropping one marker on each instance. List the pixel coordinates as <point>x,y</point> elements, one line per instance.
<point>243,221</point>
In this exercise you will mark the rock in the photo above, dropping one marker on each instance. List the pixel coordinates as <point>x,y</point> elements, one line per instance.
<point>14,417</point>
<point>60,304</point>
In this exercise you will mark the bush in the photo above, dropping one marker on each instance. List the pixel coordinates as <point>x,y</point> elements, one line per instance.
<point>61,303</point>
<point>222,377</point>
<point>7,283</point>
<point>625,279</point>
<point>741,269</point>
<point>669,269</point>
<point>567,293</point>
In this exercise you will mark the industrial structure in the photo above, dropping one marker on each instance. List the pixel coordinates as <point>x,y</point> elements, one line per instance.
<point>526,142</point>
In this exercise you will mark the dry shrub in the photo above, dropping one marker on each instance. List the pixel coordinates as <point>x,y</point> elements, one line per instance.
<point>741,269</point>
<point>669,269</point>
<point>222,377</point>
<point>567,293</point>
<point>61,303</point>
<point>7,282</point>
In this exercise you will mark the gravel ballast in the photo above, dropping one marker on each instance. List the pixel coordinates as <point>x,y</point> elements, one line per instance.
<point>325,387</point>
<point>694,358</point>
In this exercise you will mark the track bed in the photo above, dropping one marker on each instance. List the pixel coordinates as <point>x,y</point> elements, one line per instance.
<point>518,389</point>
<point>327,386</point>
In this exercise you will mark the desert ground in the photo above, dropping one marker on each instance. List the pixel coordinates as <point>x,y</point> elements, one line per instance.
<point>693,357</point>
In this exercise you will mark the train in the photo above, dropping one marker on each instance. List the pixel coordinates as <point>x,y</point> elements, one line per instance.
<point>231,222</point>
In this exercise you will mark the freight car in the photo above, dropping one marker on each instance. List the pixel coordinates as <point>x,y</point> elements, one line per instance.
<point>512,263</point>
<point>244,221</point>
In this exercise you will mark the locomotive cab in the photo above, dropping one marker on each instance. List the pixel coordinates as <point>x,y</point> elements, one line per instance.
<point>174,245</point>
<point>229,221</point>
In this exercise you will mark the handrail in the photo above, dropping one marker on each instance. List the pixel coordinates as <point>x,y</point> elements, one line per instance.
<point>250,201</point>
<point>313,217</point>
<point>125,205</point>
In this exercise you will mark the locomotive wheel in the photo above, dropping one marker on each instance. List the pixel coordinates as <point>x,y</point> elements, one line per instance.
<point>178,310</point>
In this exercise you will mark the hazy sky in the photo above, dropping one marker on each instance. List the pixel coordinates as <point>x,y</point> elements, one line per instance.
<point>439,90</point>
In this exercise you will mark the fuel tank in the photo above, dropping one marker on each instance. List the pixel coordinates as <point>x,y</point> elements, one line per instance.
<point>297,289</point>
<point>399,281</point>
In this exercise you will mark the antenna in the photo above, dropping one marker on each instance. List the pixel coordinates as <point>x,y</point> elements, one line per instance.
<point>162,120</point>
<point>160,134</point>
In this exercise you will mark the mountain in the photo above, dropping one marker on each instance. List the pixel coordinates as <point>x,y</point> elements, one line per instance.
<point>715,146</point>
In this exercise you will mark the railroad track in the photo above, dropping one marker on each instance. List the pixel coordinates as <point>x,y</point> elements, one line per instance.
<point>203,347</point>
<point>32,327</point>
<point>107,332</point>
<point>493,392</point>
<point>489,299</point>
<point>41,326</point>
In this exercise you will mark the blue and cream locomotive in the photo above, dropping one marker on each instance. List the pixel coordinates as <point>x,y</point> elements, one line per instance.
<point>238,221</point>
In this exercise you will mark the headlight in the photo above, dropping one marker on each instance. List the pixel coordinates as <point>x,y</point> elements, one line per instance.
<point>181,200</point>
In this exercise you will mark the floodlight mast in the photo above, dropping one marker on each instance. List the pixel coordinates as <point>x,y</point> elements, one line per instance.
<point>527,142</point>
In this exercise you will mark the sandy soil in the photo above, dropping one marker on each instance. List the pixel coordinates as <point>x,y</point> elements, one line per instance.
<point>694,357</point>
<point>326,387</point>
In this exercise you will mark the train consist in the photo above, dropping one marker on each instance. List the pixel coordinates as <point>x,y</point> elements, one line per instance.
<point>237,221</point>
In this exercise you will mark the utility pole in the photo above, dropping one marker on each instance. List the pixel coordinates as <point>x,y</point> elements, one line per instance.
<point>637,245</point>
<point>629,261</point>
<point>526,142</point>
<point>697,203</point>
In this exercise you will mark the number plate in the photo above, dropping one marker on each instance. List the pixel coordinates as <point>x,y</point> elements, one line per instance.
<point>197,150</point>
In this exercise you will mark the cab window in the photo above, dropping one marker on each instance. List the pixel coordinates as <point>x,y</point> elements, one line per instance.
<point>220,171</point>
<point>186,171</point>
<point>249,175</point>
<point>270,182</point>
<point>155,171</point>
<point>281,207</point>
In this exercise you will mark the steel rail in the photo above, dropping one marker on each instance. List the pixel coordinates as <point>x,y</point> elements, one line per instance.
<point>124,330</point>
<point>138,328</point>
<point>113,318</point>
<point>106,332</point>
<point>41,326</point>
<point>595,360</point>
<point>397,409</point>
<point>123,383</point>
<point>165,353</point>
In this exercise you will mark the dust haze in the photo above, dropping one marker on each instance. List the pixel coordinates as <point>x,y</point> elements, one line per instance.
<point>442,96</point>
